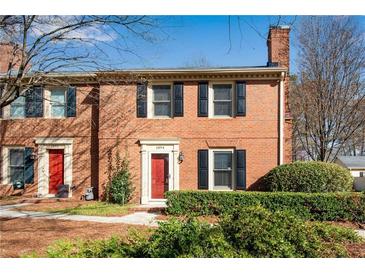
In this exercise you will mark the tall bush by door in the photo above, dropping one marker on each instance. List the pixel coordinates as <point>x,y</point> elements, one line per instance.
<point>119,188</point>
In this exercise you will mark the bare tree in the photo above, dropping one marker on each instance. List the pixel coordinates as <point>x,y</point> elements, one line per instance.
<point>42,45</point>
<point>198,62</point>
<point>327,97</point>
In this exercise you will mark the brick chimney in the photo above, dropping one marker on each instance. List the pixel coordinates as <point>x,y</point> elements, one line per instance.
<point>278,56</point>
<point>278,46</point>
<point>8,56</point>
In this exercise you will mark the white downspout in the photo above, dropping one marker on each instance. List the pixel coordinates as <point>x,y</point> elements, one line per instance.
<point>281,119</point>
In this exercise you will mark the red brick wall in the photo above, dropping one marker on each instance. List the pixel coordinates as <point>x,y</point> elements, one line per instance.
<point>8,56</point>
<point>21,132</point>
<point>106,122</point>
<point>257,132</point>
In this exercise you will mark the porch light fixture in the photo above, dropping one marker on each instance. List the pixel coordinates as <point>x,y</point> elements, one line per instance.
<point>181,157</point>
<point>33,156</point>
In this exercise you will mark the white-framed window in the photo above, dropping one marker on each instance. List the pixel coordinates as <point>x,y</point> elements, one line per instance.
<point>159,100</point>
<point>221,169</point>
<point>221,101</point>
<point>16,165</point>
<point>12,169</point>
<point>362,174</point>
<point>57,102</point>
<point>17,108</point>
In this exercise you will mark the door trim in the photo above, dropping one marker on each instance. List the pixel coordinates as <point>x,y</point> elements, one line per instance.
<point>149,147</point>
<point>44,144</point>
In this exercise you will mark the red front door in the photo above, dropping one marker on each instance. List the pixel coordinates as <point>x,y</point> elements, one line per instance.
<point>55,169</point>
<point>160,175</point>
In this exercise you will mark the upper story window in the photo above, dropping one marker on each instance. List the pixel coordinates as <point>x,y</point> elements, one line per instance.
<point>222,169</point>
<point>161,100</point>
<point>222,99</point>
<point>17,108</point>
<point>58,102</point>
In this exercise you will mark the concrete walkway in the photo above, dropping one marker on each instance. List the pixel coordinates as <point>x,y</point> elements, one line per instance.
<point>137,218</point>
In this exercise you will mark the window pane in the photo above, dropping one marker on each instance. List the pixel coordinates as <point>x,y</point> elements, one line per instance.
<point>222,178</point>
<point>161,92</point>
<point>222,92</point>
<point>17,111</point>
<point>16,157</point>
<point>16,174</point>
<point>58,111</point>
<point>162,109</point>
<point>58,97</point>
<point>223,108</point>
<point>222,160</point>
<point>17,107</point>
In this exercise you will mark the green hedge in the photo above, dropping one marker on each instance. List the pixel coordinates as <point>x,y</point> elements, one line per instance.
<point>311,206</point>
<point>308,177</point>
<point>251,232</point>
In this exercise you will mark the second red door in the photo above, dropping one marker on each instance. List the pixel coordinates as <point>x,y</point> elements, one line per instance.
<point>160,175</point>
<point>55,169</point>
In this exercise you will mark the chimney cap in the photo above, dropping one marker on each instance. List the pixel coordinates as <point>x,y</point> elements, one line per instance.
<point>279,27</point>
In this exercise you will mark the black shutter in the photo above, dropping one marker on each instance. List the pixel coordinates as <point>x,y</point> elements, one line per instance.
<point>240,169</point>
<point>141,100</point>
<point>203,99</point>
<point>178,93</point>
<point>1,109</point>
<point>203,170</point>
<point>241,99</point>
<point>71,102</point>
<point>28,166</point>
<point>34,102</point>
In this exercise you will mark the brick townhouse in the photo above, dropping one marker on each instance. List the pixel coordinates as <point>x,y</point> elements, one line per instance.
<point>213,129</point>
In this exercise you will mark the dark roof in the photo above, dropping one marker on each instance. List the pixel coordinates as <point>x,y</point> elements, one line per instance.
<point>352,162</point>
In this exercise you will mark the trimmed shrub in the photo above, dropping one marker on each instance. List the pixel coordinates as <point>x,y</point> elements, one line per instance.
<point>247,232</point>
<point>310,206</point>
<point>308,177</point>
<point>261,233</point>
<point>189,239</point>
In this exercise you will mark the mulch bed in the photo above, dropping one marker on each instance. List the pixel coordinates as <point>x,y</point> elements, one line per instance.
<point>19,236</point>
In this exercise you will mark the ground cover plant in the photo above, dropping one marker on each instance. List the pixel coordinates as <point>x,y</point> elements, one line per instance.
<point>248,232</point>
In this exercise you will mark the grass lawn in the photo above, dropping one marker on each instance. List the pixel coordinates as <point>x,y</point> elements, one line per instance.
<point>95,209</point>
<point>92,208</point>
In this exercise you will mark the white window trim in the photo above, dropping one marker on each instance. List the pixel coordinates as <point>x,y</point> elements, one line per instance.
<point>47,114</point>
<point>150,105</point>
<point>7,116</point>
<point>5,174</point>
<point>19,117</point>
<point>47,111</point>
<point>211,97</point>
<point>211,168</point>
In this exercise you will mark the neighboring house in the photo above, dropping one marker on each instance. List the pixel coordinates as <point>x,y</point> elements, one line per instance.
<point>212,129</point>
<point>356,165</point>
